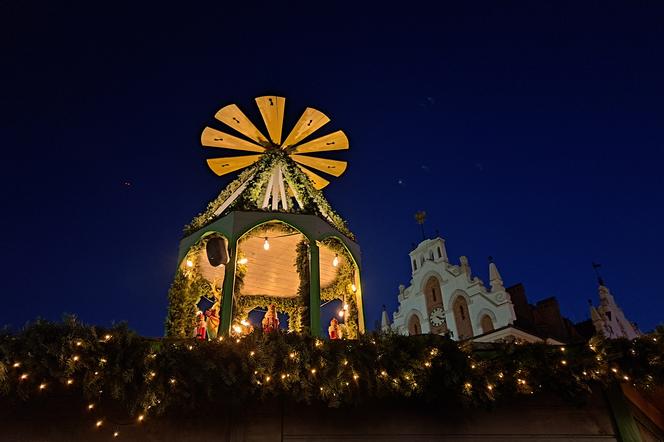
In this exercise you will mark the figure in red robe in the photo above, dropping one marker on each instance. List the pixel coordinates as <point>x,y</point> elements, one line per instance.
<point>200,326</point>
<point>334,330</point>
<point>270,320</point>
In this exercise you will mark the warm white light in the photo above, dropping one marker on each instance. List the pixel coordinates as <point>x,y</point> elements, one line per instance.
<point>107,337</point>
<point>140,418</point>
<point>245,260</point>
<point>16,364</point>
<point>76,358</point>
<point>346,307</point>
<point>24,376</point>
<point>42,386</point>
<point>190,263</point>
<point>99,422</point>
<point>341,313</point>
<point>91,406</point>
<point>116,434</point>
<point>244,322</point>
<point>70,381</point>
<point>266,244</point>
<point>353,288</point>
<point>335,261</point>
<point>237,329</point>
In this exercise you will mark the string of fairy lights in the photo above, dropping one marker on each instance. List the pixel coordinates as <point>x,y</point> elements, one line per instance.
<point>335,370</point>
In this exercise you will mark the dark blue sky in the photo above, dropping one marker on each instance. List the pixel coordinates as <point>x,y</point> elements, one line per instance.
<point>527,131</point>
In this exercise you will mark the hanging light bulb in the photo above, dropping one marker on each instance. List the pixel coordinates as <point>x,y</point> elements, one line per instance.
<point>353,288</point>
<point>245,260</point>
<point>335,261</point>
<point>341,313</point>
<point>266,244</point>
<point>190,263</point>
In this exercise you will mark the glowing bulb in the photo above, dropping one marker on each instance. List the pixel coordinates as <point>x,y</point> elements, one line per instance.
<point>266,244</point>
<point>42,386</point>
<point>99,422</point>
<point>190,263</point>
<point>70,381</point>
<point>116,434</point>
<point>313,371</point>
<point>91,406</point>
<point>292,355</point>
<point>353,288</point>
<point>75,358</point>
<point>24,376</point>
<point>107,337</point>
<point>341,313</point>
<point>79,343</point>
<point>244,322</point>
<point>355,376</point>
<point>335,261</point>
<point>245,260</point>
<point>140,418</point>
<point>346,307</point>
<point>16,364</point>
<point>237,329</point>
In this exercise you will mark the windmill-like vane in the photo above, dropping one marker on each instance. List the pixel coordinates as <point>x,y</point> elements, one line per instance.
<point>272,111</point>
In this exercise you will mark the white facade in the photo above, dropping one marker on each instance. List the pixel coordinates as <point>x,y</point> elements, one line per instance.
<point>609,319</point>
<point>447,298</point>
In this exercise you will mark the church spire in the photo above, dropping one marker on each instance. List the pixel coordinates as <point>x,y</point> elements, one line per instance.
<point>494,277</point>
<point>384,320</point>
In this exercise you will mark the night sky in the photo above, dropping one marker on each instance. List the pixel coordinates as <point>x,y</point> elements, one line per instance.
<point>529,132</point>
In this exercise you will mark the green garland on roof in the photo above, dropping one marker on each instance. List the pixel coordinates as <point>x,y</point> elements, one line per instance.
<point>115,367</point>
<point>251,199</point>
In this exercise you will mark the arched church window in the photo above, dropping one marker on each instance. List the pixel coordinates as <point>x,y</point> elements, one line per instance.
<point>433,294</point>
<point>414,326</point>
<point>462,318</point>
<point>487,324</point>
<point>440,254</point>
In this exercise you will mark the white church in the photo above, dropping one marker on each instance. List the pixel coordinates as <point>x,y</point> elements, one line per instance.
<point>446,298</point>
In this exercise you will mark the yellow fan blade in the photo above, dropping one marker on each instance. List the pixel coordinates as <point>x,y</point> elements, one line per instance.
<point>222,166</point>
<point>232,116</point>
<point>215,138</point>
<point>318,181</point>
<point>310,121</point>
<point>272,111</point>
<point>333,167</point>
<point>334,141</point>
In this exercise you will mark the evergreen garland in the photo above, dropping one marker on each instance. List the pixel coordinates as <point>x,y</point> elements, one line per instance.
<point>251,198</point>
<point>111,367</point>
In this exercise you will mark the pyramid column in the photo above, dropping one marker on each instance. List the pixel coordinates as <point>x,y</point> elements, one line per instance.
<point>314,288</point>
<point>227,290</point>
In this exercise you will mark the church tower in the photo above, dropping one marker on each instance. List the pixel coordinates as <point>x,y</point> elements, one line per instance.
<point>609,319</point>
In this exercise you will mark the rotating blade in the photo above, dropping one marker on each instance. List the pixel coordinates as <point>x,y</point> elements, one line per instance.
<point>334,141</point>
<point>272,111</point>
<point>232,116</point>
<point>318,181</point>
<point>310,121</point>
<point>215,138</point>
<point>222,166</point>
<point>333,167</point>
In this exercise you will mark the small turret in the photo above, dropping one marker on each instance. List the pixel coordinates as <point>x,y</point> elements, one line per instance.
<point>465,267</point>
<point>384,321</point>
<point>494,277</point>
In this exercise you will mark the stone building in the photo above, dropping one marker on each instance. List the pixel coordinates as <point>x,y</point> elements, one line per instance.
<point>446,298</point>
